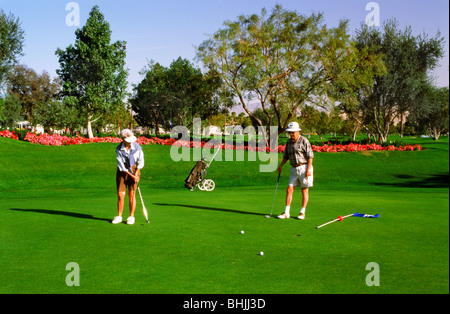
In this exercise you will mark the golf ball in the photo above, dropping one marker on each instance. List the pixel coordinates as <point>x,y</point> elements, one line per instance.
<point>242,231</point>
<point>261,253</point>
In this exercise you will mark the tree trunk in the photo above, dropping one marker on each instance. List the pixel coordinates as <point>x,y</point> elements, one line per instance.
<point>435,134</point>
<point>401,125</point>
<point>355,132</point>
<point>89,124</point>
<point>89,127</point>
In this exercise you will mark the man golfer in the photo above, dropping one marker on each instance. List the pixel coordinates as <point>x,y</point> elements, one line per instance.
<point>130,161</point>
<point>299,153</point>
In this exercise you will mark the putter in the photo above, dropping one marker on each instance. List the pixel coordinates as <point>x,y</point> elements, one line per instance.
<point>273,203</point>
<point>143,206</point>
<point>144,210</point>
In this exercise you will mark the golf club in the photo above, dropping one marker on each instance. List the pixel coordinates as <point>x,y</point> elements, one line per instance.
<point>144,210</point>
<point>273,203</point>
<point>143,206</point>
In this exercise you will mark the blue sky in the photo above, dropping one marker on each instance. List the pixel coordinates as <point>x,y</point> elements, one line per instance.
<point>164,30</point>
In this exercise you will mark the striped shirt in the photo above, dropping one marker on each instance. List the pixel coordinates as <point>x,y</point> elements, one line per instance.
<point>298,152</point>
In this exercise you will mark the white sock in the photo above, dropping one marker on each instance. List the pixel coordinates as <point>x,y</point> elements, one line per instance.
<point>287,210</point>
<point>302,211</point>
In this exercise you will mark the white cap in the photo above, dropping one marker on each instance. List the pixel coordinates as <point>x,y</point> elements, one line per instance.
<point>130,139</point>
<point>128,136</point>
<point>293,127</point>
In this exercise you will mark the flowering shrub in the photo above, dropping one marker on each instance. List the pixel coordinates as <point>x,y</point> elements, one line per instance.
<point>362,148</point>
<point>155,140</point>
<point>280,149</point>
<point>58,140</point>
<point>9,134</point>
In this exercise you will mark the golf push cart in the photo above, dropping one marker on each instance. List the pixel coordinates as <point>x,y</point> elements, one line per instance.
<point>197,176</point>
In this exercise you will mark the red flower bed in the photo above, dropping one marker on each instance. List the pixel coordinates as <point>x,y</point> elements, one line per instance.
<point>9,134</point>
<point>58,140</point>
<point>362,147</point>
<point>155,140</point>
<point>280,149</point>
<point>357,148</point>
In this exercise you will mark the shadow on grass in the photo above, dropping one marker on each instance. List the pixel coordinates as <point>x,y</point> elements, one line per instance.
<point>211,208</point>
<point>60,213</point>
<point>434,181</point>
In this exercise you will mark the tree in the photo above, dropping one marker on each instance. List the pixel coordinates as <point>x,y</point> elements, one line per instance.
<point>309,119</point>
<point>2,103</point>
<point>115,121</point>
<point>192,94</point>
<point>335,121</point>
<point>11,43</point>
<point>150,98</point>
<point>408,59</point>
<point>285,61</point>
<point>434,110</point>
<point>175,95</point>
<point>93,71</point>
<point>32,89</point>
<point>320,121</point>
<point>11,111</point>
<point>58,114</point>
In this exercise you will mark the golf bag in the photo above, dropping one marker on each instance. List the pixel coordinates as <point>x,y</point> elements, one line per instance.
<point>197,176</point>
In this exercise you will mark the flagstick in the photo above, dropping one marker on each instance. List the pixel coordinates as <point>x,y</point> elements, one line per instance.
<point>337,219</point>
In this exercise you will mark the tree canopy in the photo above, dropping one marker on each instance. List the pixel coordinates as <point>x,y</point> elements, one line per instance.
<point>292,66</point>
<point>32,89</point>
<point>92,70</point>
<point>433,112</point>
<point>175,95</point>
<point>286,60</point>
<point>408,60</point>
<point>11,43</point>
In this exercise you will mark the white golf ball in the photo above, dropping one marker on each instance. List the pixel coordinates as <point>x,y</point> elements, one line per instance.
<point>242,231</point>
<point>261,253</point>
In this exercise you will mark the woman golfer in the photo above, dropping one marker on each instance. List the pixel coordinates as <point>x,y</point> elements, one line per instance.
<point>299,153</point>
<point>130,161</point>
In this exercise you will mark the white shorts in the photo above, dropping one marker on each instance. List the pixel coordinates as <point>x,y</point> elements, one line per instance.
<point>298,177</point>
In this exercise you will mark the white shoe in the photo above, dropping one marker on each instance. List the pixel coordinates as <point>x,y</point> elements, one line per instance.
<point>130,220</point>
<point>117,220</point>
<point>283,216</point>
<point>301,216</point>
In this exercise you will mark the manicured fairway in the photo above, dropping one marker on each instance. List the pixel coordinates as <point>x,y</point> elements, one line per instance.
<point>57,203</point>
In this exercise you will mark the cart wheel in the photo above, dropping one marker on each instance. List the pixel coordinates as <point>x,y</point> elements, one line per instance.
<point>209,185</point>
<point>201,186</point>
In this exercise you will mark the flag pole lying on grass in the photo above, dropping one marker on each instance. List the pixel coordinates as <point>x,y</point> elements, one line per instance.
<point>340,218</point>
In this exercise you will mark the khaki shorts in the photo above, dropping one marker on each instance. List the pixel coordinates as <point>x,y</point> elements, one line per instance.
<point>298,177</point>
<point>124,181</point>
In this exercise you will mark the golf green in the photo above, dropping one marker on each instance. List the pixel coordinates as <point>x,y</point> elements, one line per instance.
<point>57,204</point>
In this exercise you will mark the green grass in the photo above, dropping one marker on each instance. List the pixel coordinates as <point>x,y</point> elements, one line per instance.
<point>56,204</point>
